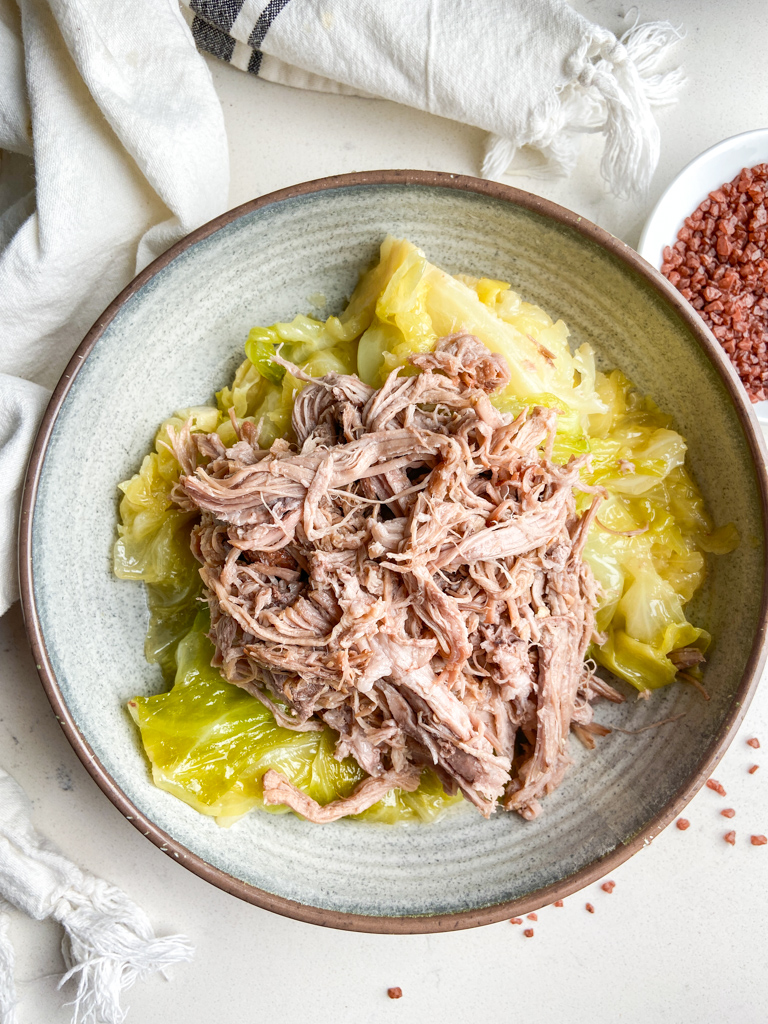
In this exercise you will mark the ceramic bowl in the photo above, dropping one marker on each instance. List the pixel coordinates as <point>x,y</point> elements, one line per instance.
<point>174,335</point>
<point>708,171</point>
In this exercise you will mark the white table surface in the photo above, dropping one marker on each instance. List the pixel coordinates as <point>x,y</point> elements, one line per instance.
<point>682,939</point>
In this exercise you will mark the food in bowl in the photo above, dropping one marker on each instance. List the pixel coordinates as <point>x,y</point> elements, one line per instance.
<point>410,571</point>
<point>719,263</point>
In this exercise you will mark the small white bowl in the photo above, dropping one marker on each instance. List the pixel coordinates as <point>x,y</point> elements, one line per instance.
<point>708,171</point>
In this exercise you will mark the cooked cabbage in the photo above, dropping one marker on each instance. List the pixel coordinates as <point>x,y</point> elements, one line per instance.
<point>418,303</point>
<point>210,742</point>
<point>153,543</point>
<point>646,545</point>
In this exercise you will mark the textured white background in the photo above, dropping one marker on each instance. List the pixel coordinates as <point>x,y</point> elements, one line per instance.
<point>683,937</point>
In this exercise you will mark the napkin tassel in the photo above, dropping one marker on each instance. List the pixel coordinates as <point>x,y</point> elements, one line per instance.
<point>108,945</point>
<point>614,84</point>
<point>108,941</point>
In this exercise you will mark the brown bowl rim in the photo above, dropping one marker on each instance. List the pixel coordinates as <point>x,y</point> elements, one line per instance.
<point>332,918</point>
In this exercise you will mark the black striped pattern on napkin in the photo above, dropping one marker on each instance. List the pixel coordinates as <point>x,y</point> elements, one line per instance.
<point>220,27</point>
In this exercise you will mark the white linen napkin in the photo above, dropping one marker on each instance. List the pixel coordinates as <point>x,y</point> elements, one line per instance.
<point>109,119</point>
<point>108,941</point>
<point>531,72</point>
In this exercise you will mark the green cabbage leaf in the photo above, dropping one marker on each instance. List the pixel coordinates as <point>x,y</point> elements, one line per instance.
<point>418,303</point>
<point>153,542</point>
<point>646,546</point>
<point>209,743</point>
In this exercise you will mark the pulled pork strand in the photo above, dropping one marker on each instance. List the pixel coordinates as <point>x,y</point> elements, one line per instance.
<point>409,574</point>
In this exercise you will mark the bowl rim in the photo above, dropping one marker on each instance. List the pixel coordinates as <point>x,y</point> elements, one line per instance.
<point>322,916</point>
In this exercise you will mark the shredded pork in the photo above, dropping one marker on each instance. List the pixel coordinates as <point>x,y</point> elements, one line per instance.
<point>408,573</point>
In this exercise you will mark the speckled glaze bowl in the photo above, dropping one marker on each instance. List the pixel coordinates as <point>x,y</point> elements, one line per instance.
<point>174,335</point>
